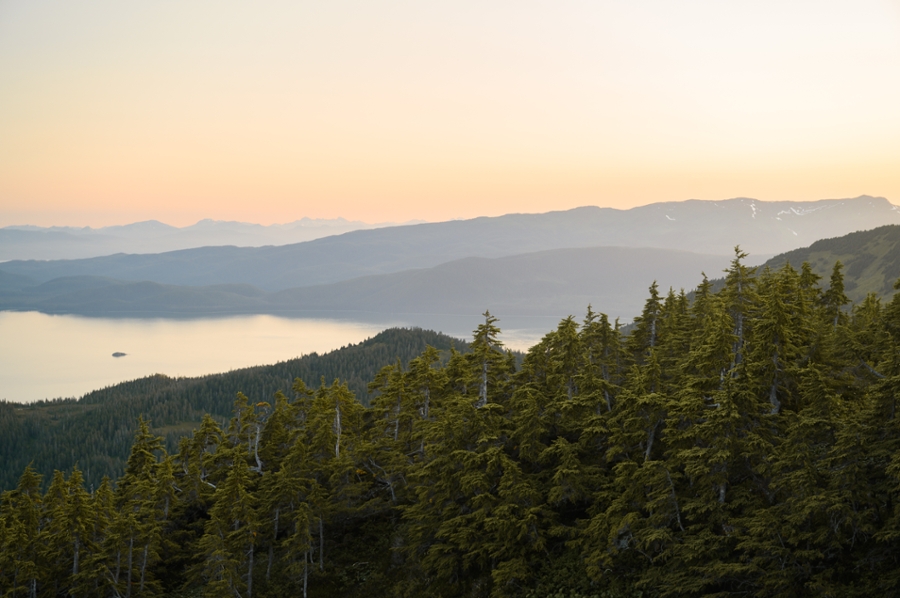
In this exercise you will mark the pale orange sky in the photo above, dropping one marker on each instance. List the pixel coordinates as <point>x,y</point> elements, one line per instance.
<point>112,112</point>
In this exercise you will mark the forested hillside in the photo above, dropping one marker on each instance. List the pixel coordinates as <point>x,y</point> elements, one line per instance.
<point>871,260</point>
<point>96,430</point>
<point>745,443</point>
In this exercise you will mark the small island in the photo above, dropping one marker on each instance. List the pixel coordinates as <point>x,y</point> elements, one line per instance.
<point>119,354</point>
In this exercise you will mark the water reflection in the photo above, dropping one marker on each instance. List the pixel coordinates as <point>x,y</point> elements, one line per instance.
<point>48,356</point>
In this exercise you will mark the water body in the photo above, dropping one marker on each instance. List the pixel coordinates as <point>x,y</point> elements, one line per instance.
<point>51,356</point>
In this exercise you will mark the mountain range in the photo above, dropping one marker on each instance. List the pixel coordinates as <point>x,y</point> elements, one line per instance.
<point>554,283</point>
<point>552,264</point>
<point>152,236</point>
<point>761,228</point>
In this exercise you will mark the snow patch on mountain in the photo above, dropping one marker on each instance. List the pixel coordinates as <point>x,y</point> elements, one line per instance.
<point>800,211</point>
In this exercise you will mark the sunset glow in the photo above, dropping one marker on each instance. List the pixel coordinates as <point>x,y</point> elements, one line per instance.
<point>114,112</point>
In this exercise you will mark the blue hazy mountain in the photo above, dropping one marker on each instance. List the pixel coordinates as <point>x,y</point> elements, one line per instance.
<point>712,227</point>
<point>553,283</point>
<point>152,236</point>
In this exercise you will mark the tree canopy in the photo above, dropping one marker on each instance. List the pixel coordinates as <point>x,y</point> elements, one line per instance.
<point>743,443</point>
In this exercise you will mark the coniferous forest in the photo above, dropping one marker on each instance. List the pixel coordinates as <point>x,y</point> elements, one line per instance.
<point>740,441</point>
<point>96,430</point>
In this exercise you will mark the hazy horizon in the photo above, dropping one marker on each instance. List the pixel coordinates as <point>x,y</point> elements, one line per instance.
<point>340,218</point>
<point>390,111</point>
<point>337,219</point>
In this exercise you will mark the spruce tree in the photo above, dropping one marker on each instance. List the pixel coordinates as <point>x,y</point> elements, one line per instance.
<point>490,368</point>
<point>229,542</point>
<point>22,565</point>
<point>136,530</point>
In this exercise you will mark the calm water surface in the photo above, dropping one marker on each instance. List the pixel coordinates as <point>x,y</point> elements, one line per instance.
<point>48,356</point>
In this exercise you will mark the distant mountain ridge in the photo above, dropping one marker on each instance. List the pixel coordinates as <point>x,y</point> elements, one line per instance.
<point>556,283</point>
<point>152,236</point>
<point>711,227</point>
<point>552,283</point>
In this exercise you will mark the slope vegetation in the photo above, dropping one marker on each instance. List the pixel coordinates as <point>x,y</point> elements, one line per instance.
<point>96,430</point>
<point>871,260</point>
<point>746,444</point>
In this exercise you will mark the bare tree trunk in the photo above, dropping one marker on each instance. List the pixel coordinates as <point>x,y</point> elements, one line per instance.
<point>397,419</point>
<point>650,439</point>
<point>321,545</point>
<point>259,464</point>
<point>773,397</point>
<point>482,386</point>
<point>75,560</point>
<point>130,564</point>
<point>738,343</point>
<point>272,545</point>
<point>425,416</point>
<point>250,574</point>
<point>675,500</point>
<point>305,571</point>
<point>604,370</point>
<point>337,429</point>
<point>144,565</point>
<point>482,401</point>
<point>773,390</point>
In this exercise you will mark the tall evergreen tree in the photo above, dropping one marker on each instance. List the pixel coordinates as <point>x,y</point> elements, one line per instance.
<point>229,542</point>
<point>136,530</point>
<point>21,516</point>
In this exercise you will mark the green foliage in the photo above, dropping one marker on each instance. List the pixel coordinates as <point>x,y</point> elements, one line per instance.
<point>744,444</point>
<point>96,430</point>
<point>871,259</point>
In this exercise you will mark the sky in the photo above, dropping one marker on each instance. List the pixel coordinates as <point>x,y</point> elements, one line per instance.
<point>113,112</point>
